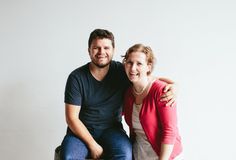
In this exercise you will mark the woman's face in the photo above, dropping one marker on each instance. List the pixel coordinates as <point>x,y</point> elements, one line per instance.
<point>136,66</point>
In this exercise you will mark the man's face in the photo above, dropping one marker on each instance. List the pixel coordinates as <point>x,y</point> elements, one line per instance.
<point>101,52</point>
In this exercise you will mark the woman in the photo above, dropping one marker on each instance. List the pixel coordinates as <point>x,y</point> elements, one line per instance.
<point>153,124</point>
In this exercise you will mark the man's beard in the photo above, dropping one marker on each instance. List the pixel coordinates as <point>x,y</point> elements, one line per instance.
<point>101,65</point>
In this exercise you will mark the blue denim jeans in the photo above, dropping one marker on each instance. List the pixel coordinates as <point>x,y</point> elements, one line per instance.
<point>114,141</point>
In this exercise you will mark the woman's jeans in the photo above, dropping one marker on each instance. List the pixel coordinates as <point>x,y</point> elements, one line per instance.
<point>114,141</point>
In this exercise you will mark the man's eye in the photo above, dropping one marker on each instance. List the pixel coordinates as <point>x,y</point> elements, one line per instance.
<point>139,64</point>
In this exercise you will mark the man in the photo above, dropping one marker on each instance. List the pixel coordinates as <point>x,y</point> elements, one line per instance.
<point>93,105</point>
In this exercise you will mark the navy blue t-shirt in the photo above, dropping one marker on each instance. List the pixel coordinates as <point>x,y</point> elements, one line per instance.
<point>100,101</point>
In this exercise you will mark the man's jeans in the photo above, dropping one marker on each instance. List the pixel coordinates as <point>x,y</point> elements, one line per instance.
<point>114,141</point>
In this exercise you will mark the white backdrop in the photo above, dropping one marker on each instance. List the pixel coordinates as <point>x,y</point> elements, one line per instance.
<point>41,42</point>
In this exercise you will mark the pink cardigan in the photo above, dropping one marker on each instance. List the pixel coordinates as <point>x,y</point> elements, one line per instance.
<point>159,121</point>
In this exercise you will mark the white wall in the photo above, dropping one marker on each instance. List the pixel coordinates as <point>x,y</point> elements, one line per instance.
<point>41,42</point>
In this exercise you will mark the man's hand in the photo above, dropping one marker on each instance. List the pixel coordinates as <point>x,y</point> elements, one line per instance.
<point>96,150</point>
<point>170,92</point>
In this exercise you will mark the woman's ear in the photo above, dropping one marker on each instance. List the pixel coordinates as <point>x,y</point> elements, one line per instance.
<point>149,68</point>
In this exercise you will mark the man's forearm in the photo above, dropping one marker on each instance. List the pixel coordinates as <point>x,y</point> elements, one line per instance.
<point>79,129</point>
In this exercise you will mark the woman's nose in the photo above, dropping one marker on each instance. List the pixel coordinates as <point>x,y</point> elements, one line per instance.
<point>133,67</point>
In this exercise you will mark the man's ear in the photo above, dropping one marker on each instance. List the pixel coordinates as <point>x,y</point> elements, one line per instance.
<point>89,52</point>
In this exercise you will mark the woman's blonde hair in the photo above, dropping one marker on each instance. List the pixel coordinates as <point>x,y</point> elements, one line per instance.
<point>144,49</point>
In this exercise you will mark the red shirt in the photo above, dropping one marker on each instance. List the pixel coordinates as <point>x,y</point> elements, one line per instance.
<point>159,121</point>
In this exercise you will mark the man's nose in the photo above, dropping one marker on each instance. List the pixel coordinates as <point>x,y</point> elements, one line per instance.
<point>101,50</point>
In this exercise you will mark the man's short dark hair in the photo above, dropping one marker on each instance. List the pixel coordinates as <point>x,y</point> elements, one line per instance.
<point>100,34</point>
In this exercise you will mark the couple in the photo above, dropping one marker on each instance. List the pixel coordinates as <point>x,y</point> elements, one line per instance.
<point>97,94</point>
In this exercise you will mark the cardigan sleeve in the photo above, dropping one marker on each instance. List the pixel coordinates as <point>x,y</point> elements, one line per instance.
<point>168,119</point>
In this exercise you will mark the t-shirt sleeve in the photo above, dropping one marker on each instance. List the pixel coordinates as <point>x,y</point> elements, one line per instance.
<point>72,91</point>
<point>123,75</point>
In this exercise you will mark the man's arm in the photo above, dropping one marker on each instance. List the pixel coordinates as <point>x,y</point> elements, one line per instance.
<point>79,129</point>
<point>170,91</point>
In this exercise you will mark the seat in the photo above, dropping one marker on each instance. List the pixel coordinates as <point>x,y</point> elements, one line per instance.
<point>57,153</point>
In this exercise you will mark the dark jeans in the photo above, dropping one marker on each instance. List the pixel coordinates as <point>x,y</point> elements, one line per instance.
<point>114,141</point>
